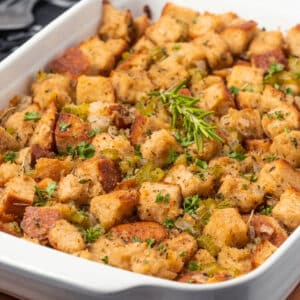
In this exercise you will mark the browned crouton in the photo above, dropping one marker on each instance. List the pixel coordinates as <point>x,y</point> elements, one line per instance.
<point>37,222</point>
<point>198,84</point>
<point>73,63</point>
<point>111,209</point>
<point>292,40</point>
<point>117,47</point>
<point>109,174</point>
<point>142,231</point>
<point>138,61</point>
<point>287,210</point>
<point>271,98</point>
<point>65,237</point>
<point>116,24</point>
<point>143,44</point>
<point>262,252</point>
<point>159,201</point>
<point>8,171</point>
<point>203,257</point>
<point>140,24</point>
<point>227,228</point>
<point>246,99</point>
<point>262,145</point>
<point>7,141</point>
<point>76,132</point>
<point>94,88</point>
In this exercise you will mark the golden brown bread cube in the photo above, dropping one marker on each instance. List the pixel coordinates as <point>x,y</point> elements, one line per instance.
<point>117,47</point>
<point>72,63</point>
<point>203,257</point>
<point>75,133</point>
<point>18,193</point>
<point>52,88</point>
<point>248,100</point>
<point>141,231</point>
<point>267,228</point>
<point>238,35</point>
<point>101,59</point>
<point>286,145</point>
<point>139,61</point>
<point>66,237</point>
<point>227,228</point>
<point>262,145</point>
<point>216,50</point>
<point>8,171</point>
<point>292,40</point>
<point>265,41</point>
<point>116,24</point>
<point>262,252</point>
<point>52,168</point>
<point>165,30</point>
<point>271,98</point>
<point>237,259</point>
<point>143,44</point>
<point>281,118</point>
<point>246,78</point>
<point>198,84</point>
<point>94,88</point>
<point>245,195</point>
<point>287,210</point>
<point>190,183</point>
<point>43,132</point>
<point>37,222</point>
<point>159,201</point>
<point>157,147</point>
<point>217,98</point>
<point>112,208</point>
<point>275,177</point>
<point>140,24</point>
<point>7,141</point>
<point>130,86</point>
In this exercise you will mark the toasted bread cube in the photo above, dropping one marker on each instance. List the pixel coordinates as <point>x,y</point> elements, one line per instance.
<point>270,99</point>
<point>203,257</point>
<point>246,99</point>
<point>237,259</point>
<point>139,61</point>
<point>75,133</point>
<point>277,176</point>
<point>7,141</point>
<point>286,145</point>
<point>165,30</point>
<point>22,130</point>
<point>139,230</point>
<point>267,228</point>
<point>52,168</point>
<point>104,141</point>
<point>280,119</point>
<point>262,252</point>
<point>245,77</point>
<point>227,228</point>
<point>292,40</point>
<point>266,41</point>
<point>198,84</point>
<point>156,147</point>
<point>94,88</point>
<point>246,121</point>
<point>65,237</point>
<point>18,193</point>
<point>287,210</point>
<point>238,35</point>
<point>244,194</point>
<point>43,132</point>
<point>53,88</point>
<point>159,201</point>
<point>167,73</point>
<point>72,63</point>
<point>217,98</point>
<point>37,222</point>
<point>263,61</point>
<point>101,59</point>
<point>111,209</point>
<point>116,24</point>
<point>262,145</point>
<point>8,171</point>
<point>181,13</point>
<point>143,44</point>
<point>184,245</point>
<point>215,49</point>
<point>140,24</point>
<point>190,183</point>
<point>117,47</point>
<point>131,86</point>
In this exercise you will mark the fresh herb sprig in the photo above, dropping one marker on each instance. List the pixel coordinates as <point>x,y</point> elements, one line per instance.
<point>183,109</point>
<point>45,194</point>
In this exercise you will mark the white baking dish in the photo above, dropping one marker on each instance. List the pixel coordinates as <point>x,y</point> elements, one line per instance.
<point>33,272</point>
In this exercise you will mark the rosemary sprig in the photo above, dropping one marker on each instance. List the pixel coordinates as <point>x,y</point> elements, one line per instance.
<point>183,109</point>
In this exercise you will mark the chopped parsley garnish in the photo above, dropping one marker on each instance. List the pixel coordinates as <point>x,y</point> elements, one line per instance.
<point>190,204</point>
<point>250,176</point>
<point>84,180</point>
<point>135,239</point>
<point>162,198</point>
<point>45,194</point>
<point>92,234</point>
<point>267,210</point>
<point>176,47</point>
<point>169,223</point>
<point>271,158</point>
<point>295,142</point>
<point>237,155</point>
<point>32,116</point>
<point>150,242</point>
<point>105,259</point>
<point>234,90</point>
<point>10,157</point>
<point>84,150</point>
<point>288,91</point>
<point>173,155</point>
<point>193,266</point>
<point>274,68</point>
<point>93,132</point>
<point>245,186</point>
<point>201,163</point>
<point>276,115</point>
<point>137,150</point>
<point>64,126</point>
